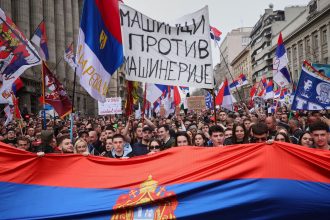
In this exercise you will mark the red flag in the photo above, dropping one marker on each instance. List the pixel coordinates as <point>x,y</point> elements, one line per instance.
<point>177,97</point>
<point>54,93</point>
<point>17,113</point>
<point>129,100</point>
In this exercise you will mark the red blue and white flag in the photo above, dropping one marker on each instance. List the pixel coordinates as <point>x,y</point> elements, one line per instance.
<point>224,97</point>
<point>247,181</point>
<point>69,56</point>
<point>99,49</point>
<point>215,34</point>
<point>40,40</point>
<point>281,73</point>
<point>269,90</point>
<point>16,53</point>
<point>240,81</point>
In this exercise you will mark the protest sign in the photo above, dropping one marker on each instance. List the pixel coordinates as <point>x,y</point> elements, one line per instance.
<point>313,90</point>
<point>196,102</point>
<point>111,106</point>
<point>156,52</point>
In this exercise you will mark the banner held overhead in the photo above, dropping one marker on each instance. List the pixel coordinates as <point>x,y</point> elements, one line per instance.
<point>156,52</point>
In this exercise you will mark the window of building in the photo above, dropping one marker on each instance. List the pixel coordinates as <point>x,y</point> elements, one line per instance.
<point>315,41</point>
<point>324,36</point>
<point>245,40</point>
<point>300,49</point>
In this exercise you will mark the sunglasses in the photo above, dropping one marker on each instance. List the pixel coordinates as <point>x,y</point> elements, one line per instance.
<point>254,139</point>
<point>154,147</point>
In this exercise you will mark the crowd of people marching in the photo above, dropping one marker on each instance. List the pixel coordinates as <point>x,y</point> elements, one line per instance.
<point>117,137</point>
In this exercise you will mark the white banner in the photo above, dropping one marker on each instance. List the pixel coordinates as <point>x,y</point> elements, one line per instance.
<point>156,52</point>
<point>111,106</point>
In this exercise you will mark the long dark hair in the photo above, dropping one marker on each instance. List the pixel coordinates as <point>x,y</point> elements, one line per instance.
<point>246,135</point>
<point>182,133</point>
<point>286,137</point>
<point>204,139</point>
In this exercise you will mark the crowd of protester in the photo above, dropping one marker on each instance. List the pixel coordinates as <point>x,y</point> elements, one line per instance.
<point>117,137</point>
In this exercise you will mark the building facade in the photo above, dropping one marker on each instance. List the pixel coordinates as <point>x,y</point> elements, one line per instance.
<point>62,19</point>
<point>308,37</point>
<point>231,46</point>
<point>242,65</point>
<point>261,38</point>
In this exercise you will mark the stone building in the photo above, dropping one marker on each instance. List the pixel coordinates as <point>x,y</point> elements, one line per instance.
<point>62,18</point>
<point>307,37</point>
<point>231,46</point>
<point>241,64</point>
<point>261,38</point>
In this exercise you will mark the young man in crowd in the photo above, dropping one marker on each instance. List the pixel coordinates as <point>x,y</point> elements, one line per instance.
<point>65,145</point>
<point>165,138</point>
<point>118,147</point>
<point>23,143</point>
<point>259,133</point>
<point>320,134</point>
<point>217,136</point>
<point>141,148</point>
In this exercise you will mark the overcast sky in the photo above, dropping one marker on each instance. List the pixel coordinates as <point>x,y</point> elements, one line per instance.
<point>224,14</point>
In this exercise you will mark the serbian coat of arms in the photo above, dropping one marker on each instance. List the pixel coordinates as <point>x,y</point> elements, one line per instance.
<point>148,202</point>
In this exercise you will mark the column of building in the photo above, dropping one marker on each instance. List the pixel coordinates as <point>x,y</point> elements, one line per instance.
<point>5,5</point>
<point>49,15</point>
<point>60,39</point>
<point>36,16</point>
<point>328,40</point>
<point>75,30</point>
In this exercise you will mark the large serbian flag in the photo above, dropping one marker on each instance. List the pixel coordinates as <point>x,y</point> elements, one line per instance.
<point>99,50</point>
<point>254,181</point>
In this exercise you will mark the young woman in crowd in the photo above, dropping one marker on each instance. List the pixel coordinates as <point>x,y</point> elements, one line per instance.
<point>80,147</point>
<point>306,140</point>
<point>154,146</point>
<point>200,140</point>
<point>282,137</point>
<point>240,135</point>
<point>182,139</point>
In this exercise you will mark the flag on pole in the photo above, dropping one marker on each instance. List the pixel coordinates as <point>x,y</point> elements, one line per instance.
<point>9,112</point>
<point>40,40</point>
<point>215,34</point>
<point>154,91</point>
<point>17,85</point>
<point>224,97</point>
<point>99,49</point>
<point>209,100</point>
<point>16,54</point>
<point>281,73</point>
<point>269,90</point>
<point>69,56</point>
<point>240,81</point>
<point>54,93</point>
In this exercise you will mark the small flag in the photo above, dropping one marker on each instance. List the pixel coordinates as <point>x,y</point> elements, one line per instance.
<point>54,93</point>
<point>215,34</point>
<point>40,40</point>
<point>17,85</point>
<point>69,57</point>
<point>154,91</point>
<point>224,97</point>
<point>208,100</point>
<point>269,90</point>
<point>9,111</point>
<point>281,73</point>
<point>240,81</point>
